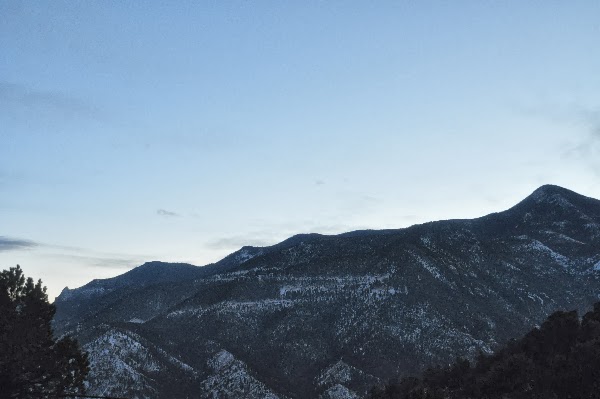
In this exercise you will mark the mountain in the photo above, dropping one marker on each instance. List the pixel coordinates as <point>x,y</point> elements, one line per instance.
<point>321,316</point>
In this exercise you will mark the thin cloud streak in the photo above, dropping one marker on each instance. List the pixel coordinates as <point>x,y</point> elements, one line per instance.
<point>587,150</point>
<point>87,257</point>
<point>96,259</point>
<point>584,117</point>
<point>40,100</point>
<point>11,244</point>
<point>164,212</point>
<point>265,238</point>
<point>101,261</point>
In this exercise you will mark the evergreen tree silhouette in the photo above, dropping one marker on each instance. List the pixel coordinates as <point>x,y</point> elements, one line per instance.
<point>33,364</point>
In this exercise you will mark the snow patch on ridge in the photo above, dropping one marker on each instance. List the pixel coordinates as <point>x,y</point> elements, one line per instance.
<point>232,380</point>
<point>338,392</point>
<point>244,255</point>
<point>435,272</point>
<point>221,360</point>
<point>339,373</point>
<point>558,258</point>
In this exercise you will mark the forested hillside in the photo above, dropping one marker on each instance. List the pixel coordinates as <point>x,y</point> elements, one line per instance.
<point>560,359</point>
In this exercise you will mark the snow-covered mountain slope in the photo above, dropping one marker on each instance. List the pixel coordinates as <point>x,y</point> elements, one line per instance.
<point>125,364</point>
<point>231,379</point>
<point>329,316</point>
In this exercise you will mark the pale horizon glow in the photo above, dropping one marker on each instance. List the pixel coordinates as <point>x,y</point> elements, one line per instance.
<point>135,131</point>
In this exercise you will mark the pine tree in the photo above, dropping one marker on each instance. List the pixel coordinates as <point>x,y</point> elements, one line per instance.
<point>33,364</point>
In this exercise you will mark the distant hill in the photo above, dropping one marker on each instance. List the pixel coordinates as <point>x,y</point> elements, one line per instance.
<point>331,316</point>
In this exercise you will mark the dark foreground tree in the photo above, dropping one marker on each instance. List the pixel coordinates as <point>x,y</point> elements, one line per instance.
<point>33,364</point>
<point>560,359</point>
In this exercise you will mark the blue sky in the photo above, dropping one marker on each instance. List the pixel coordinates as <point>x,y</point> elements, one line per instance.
<point>180,131</point>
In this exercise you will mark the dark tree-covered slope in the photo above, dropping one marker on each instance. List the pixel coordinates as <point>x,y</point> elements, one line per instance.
<point>560,359</point>
<point>331,316</point>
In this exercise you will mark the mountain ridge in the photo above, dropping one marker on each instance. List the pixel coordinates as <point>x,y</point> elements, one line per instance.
<point>385,303</point>
<point>543,192</point>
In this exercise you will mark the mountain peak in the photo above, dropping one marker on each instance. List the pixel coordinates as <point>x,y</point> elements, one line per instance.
<point>564,198</point>
<point>554,204</point>
<point>548,191</point>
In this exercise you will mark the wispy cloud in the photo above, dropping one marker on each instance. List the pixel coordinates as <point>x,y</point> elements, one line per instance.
<point>10,244</point>
<point>277,233</point>
<point>164,212</point>
<point>85,257</point>
<point>583,121</point>
<point>587,147</point>
<point>100,261</point>
<point>40,101</point>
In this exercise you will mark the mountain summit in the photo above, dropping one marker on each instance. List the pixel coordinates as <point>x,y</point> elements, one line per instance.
<point>330,316</point>
<point>556,195</point>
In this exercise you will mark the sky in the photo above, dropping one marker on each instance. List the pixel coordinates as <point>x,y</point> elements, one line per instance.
<point>181,131</point>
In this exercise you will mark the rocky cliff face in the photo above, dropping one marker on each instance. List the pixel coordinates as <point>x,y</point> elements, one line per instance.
<point>330,316</point>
